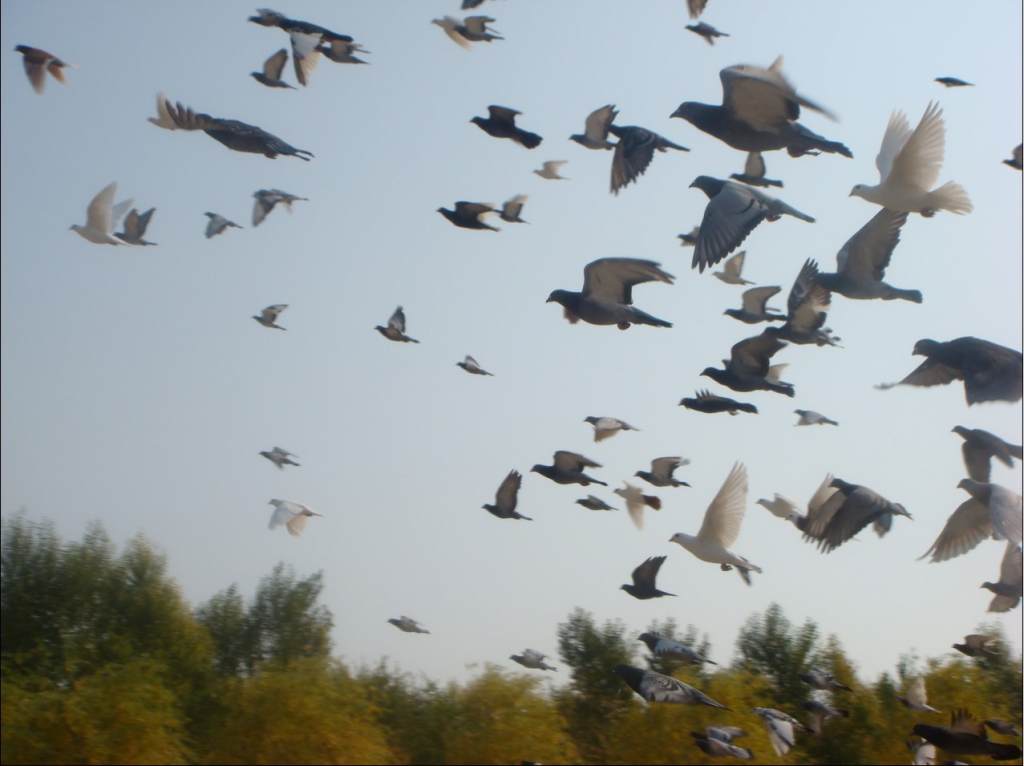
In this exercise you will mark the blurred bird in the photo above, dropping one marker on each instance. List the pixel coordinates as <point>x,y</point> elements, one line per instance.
<point>755,306</point>
<point>708,32</point>
<point>635,502</point>
<point>812,418</point>
<point>909,163</point>
<point>507,498</point>
<point>923,750</point>
<point>644,576</point>
<point>396,328</point>
<point>696,7</point>
<point>1016,160</point>
<point>655,687</point>
<point>532,659</point>
<point>408,625</point>
<point>37,63</point>
<point>342,51</point>
<point>710,403</point>
<point>732,269</point>
<point>567,468</point>
<point>469,215</point>
<point>753,172</point>
<point>292,515</point>
<point>605,427</point>
<point>306,39</point>
<point>272,69</point>
<point>102,216</point>
<point>674,650</point>
<point>980,447</point>
<point>268,317</point>
<point>822,506</point>
<point>975,644</point>
<point>594,504</point>
<point>852,508</point>
<point>472,29</point>
<point>135,227</point>
<point>953,82</point>
<point>716,748</point>
<point>807,306</point>
<point>550,169</point>
<point>469,364</point>
<point>512,208</point>
<point>280,457</point>
<point>661,472</point>
<point>819,679</point>
<point>747,369</point>
<point>217,224</point>
<point>990,511</point>
<point>690,240</point>
<point>595,129</point>
<point>821,712</point>
<point>781,728</point>
<point>634,152</point>
<point>267,199</point>
<point>501,123</point>
<point>1010,588</point>
<point>965,736</point>
<point>1002,727</point>
<point>607,295</point>
<point>917,697</point>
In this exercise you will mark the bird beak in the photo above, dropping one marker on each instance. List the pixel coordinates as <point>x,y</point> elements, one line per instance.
<point>693,184</point>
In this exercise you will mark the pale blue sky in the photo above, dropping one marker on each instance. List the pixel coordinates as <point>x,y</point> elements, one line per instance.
<point>136,389</point>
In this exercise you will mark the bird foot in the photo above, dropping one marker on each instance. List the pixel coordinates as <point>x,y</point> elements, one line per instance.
<point>623,325</point>
<point>928,212</point>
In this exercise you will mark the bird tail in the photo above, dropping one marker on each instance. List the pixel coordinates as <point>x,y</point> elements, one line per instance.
<point>1003,752</point>
<point>1016,450</point>
<point>830,422</point>
<point>788,210</point>
<point>666,144</point>
<point>653,502</point>
<point>914,296</point>
<point>597,481</point>
<point>782,388</point>
<point>642,317</point>
<point>950,196</point>
<point>530,140</point>
<point>807,141</point>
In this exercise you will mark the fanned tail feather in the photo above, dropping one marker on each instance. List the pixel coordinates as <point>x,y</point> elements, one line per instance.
<point>950,196</point>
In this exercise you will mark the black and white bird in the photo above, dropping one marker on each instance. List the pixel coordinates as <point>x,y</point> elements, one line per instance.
<point>807,309</point>
<point>102,216</point>
<point>708,32</point>
<point>709,403</point>
<point>306,39</point>
<point>268,317</point>
<point>606,427</point>
<point>822,681</point>
<point>644,576</point>
<point>532,659</point>
<point>990,511</point>
<point>674,650</point>
<point>217,224</point>
<point>655,687</point>
<point>607,295</point>
<point>501,123</point>
<point>273,67</point>
<point>135,225</point>
<point>549,170</point>
<point>781,728</point>
<point>511,209</point>
<point>234,134</point>
<point>595,129</point>
<point>279,457</point>
<point>748,368</point>
<point>661,472</point>
<point>854,508</point>
<point>1009,589</point>
<point>755,306</point>
<point>469,215</point>
<point>567,468</point>
<point>592,503</point>
<point>634,152</point>
<point>753,172</point>
<point>980,447</point>
<point>407,625</point>
<point>507,498</point>
<point>953,82</point>
<point>966,736</point>
<point>636,500</point>
<point>733,211</point>
<point>268,199</point>
<point>469,364</point>
<point>472,29</point>
<point>293,516</point>
<point>37,63</point>
<point>396,328</point>
<point>732,269</point>
<point>812,418</point>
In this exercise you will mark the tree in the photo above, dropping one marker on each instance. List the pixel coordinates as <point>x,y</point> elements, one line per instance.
<point>768,644</point>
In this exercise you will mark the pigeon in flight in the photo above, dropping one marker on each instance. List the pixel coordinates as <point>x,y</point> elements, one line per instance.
<point>733,211</point>
<point>990,511</point>
<point>753,172</point>
<point>102,216</point>
<point>635,502</point>
<point>532,659</point>
<point>135,227</point>
<point>990,372</point>
<point>472,29</point>
<point>748,368</point>
<point>908,165</point>
<point>567,468</point>
<point>292,515</point>
<point>755,306</point>
<point>696,7</point>
<point>507,497</point>
<point>721,527</point>
<point>305,37</point>
<point>268,317</point>
<point>37,63</point>
<point>594,504</point>
<point>673,650</point>
<point>512,208</point>
<point>819,679</point>
<point>408,625</point>
<point>469,215</point>
<point>470,365</point>
<point>732,269</point>
<point>1010,588</point>
<point>812,418</point>
<point>644,577</point>
<point>234,134</point>
<point>708,32</point>
<point>634,152</point>
<point>690,240</point>
<point>501,123</point>
<point>711,403</point>
<point>217,224</point>
<point>1016,160</point>
<point>821,712</point>
<point>342,51</point>
<point>808,305</point>
<point>607,295</point>
<point>917,697</point>
<point>980,447</point>
<point>595,129</point>
<point>661,472</point>
<point>852,508</point>
<point>953,82</point>
<point>976,644</point>
<point>655,687</point>
<point>272,69</point>
<point>605,428</point>
<point>267,199</point>
<point>966,736</point>
<point>822,506</point>
<point>862,261</point>
<point>396,328</point>
<point>1002,727</point>
<point>719,748</point>
<point>279,457</point>
<point>549,170</point>
<point>758,113</point>
<point>781,728</point>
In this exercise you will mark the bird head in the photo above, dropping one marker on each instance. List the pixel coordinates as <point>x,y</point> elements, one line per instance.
<point>961,430</point>
<point>989,586</point>
<point>970,486</point>
<point>709,372</point>
<point>558,296</point>
<point>858,191</point>
<point>710,186</point>
<point>678,538</point>
<point>267,18</point>
<point>537,468</point>
<point>687,110</point>
<point>577,137</point>
<point>925,347</point>
<point>590,419</point>
<point>478,121</point>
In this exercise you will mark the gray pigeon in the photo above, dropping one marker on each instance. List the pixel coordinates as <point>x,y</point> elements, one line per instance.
<point>1016,160</point>
<point>821,712</point>
<point>719,748</point>
<point>507,497</point>
<point>753,172</point>
<point>342,51</point>
<point>408,625</point>
<point>595,129</point>
<point>549,170</point>
<point>1002,727</point>
<point>732,269</point>
<point>953,82</point>
<point>268,199</point>
<point>472,29</point>
<point>755,306</point>
<point>689,240</point>
<point>469,364</point>
<point>607,295</point>
<point>655,687</point>
<point>634,152</point>
<point>812,418</point>
<point>272,69</point>
<point>268,317</point>
<point>512,208</point>
<point>280,457</point>
<point>673,650</point>
<point>469,215</point>
<point>708,32</point>
<point>217,224</point>
<point>644,576</point>
<point>990,511</point>
<point>748,368</point>
<point>976,644</point>
<point>594,504</point>
<point>532,659</point>
<point>781,728</point>
<point>980,447</point>
<point>396,328</point>
<point>605,427</point>
<point>135,227</point>
<point>733,211</point>
<point>854,508</point>
<point>567,468</point>
<point>661,472</point>
<point>819,679</point>
<point>1010,588</point>
<point>807,307</point>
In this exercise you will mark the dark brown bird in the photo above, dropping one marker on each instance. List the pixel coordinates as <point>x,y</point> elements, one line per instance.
<point>634,152</point>
<point>807,307</point>
<point>1016,160</point>
<point>502,124</point>
<point>396,328</point>
<point>711,403</point>
<point>953,82</point>
<point>980,447</point>
<point>643,586</point>
<point>748,368</point>
<point>858,507</point>
<point>966,736</point>
<point>976,644</point>
<point>37,63</point>
<point>708,32</point>
<point>567,468</point>
<point>506,498</point>
<point>469,215</point>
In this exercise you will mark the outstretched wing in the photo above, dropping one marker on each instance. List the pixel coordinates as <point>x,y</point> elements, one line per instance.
<point>724,516</point>
<point>612,279</point>
<point>866,254</point>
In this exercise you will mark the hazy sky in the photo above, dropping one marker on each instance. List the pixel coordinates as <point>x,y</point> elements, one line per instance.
<point>137,391</point>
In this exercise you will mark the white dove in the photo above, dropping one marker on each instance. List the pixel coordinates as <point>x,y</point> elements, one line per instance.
<point>917,697</point>
<point>635,502</point>
<point>292,515</point>
<point>102,216</point>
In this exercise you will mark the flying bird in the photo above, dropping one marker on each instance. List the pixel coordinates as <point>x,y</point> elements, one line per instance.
<point>819,679</point>
<point>234,134</point>
<point>822,506</point>
<point>268,317</point>
<point>512,208</point>
<point>408,625</point>
<point>507,498</point>
<point>217,224</point>
<point>567,468</point>
<point>753,172</point>
<point>655,687</point>
<point>280,457</point>
<point>980,447</point>
<point>953,82</point>
<point>733,211</point>
<point>292,515</point>
<point>673,650</point>
<point>755,306</point>
<point>594,504</point>
<point>990,372</point>
<point>661,472</point>
<point>472,29</point>
<point>711,403</point>
<point>135,226</point>
<point>708,32</point>
<point>853,508</point>
<point>501,123</point>
<point>966,736</point>
<point>607,295</point>
<point>634,152</point>
<point>908,165</point>
<point>549,170</point>
<point>812,418</point>
<point>342,51</point>
<point>1010,588</point>
<point>781,728</point>
<point>605,427</point>
<point>469,364</point>
<point>862,261</point>
<point>748,367</point>
<point>643,586</point>
<point>975,644</point>
<point>696,7</point>
<point>102,216</point>
<point>1002,727</point>
<point>272,70</point>
<point>532,659</point>
<point>469,215</point>
<point>1016,160</point>
<point>396,328</point>
<point>721,527</point>
<point>37,63</point>
<point>990,511</point>
<point>595,129</point>
<point>635,502</point>
<point>306,39</point>
<point>267,200</point>
<point>758,113</point>
<point>821,712</point>
<point>719,748</point>
<point>690,240</point>
<point>732,269</point>
<point>807,307</point>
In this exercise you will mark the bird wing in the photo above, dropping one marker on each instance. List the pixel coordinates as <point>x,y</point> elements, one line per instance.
<point>728,218</point>
<point>131,226</point>
<point>634,503</point>
<point>734,266</point>
<point>274,66</point>
<point>470,362</point>
<point>572,461</point>
<point>963,721</point>
<point>755,298</point>
<point>117,212</point>
<point>821,509</point>
<point>477,25</point>
<point>397,320</point>
<point>750,356</point>
<point>763,98</point>
<point>866,254</point>
<point>552,166</point>
<point>612,279</point>
<point>215,225</point>
<point>36,73</point>
<point>296,524</point>
<point>270,313</point>
<point>978,460</point>
<point>450,27</point>
<point>1005,508</point>
<point>597,122</point>
<point>507,495</point>
<point>781,735</point>
<point>142,222</point>
<point>262,206</point>
<point>281,515</point>
<point>965,528</point>
<point>99,215</point>
<point>897,133</point>
<point>304,54</point>
<point>695,7</point>
<point>514,206</point>
<point>808,301</point>
<point>472,209</point>
<point>724,516</point>
<point>655,687</point>
<point>645,574</point>
<point>663,467</point>
<point>931,373</point>
<point>919,160</point>
<point>858,510</point>
<point>754,166</point>
<point>633,153</point>
<point>782,507</point>
<point>503,113</point>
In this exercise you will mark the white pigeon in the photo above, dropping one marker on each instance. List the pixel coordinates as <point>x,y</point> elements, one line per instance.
<point>532,659</point>
<point>217,224</point>
<point>781,728</point>
<point>605,427</point>
<point>549,170</point>
<point>732,270</point>
<point>782,507</point>
<point>292,515</point>
<point>924,752</point>
<point>721,526</point>
<point>997,516</point>
<point>102,216</point>
<point>909,163</point>
<point>917,697</point>
<point>635,502</point>
<point>812,418</point>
